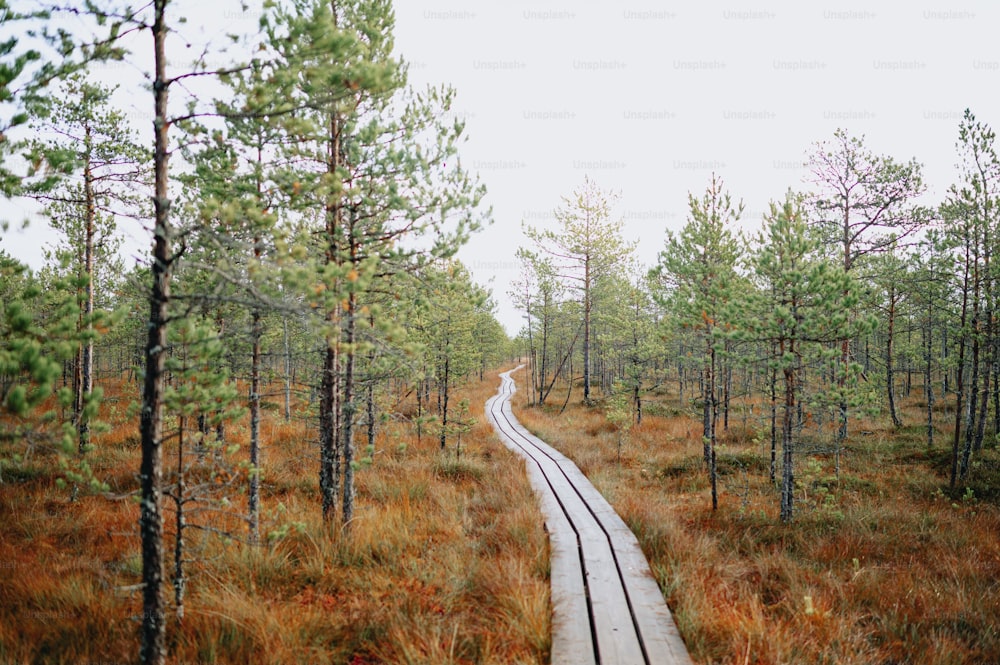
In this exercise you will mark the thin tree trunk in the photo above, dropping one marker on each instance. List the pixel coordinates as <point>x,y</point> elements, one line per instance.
<point>76,367</point>
<point>996,385</point>
<point>420,410</point>
<point>842,386</point>
<point>87,356</point>
<point>543,368</point>
<point>845,349</point>
<point>569,391</point>
<point>329,470</point>
<point>372,424</point>
<point>77,377</point>
<point>153,650</point>
<point>946,374</point>
<point>970,422</point>
<point>680,376</point>
<point>987,344</point>
<point>559,370</point>
<point>711,437</point>
<point>726,392</point>
<point>638,403</point>
<point>444,403</point>
<point>909,361</point>
<point>586,331</point>
<point>253,490</point>
<point>774,421</point>
<point>288,371</point>
<point>928,386</point>
<point>984,399</point>
<point>890,377</point>
<point>787,444</point>
<point>329,416</point>
<point>959,371</point>
<point>533,373</point>
<point>347,409</point>
<point>707,395</point>
<point>180,581</point>
<point>532,364</point>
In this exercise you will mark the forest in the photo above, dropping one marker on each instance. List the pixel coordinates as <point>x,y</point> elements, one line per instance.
<point>262,440</point>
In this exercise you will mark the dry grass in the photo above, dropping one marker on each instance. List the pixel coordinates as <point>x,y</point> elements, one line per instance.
<point>446,562</point>
<point>880,566</point>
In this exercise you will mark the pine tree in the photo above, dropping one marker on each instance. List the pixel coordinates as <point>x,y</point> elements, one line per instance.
<point>696,274</point>
<point>25,74</point>
<point>39,332</point>
<point>970,213</point>
<point>373,164</point>
<point>586,246</point>
<point>864,206</point>
<point>802,305</point>
<point>35,343</point>
<point>234,242</point>
<point>539,292</point>
<point>104,176</point>
<point>452,306</point>
<point>932,274</point>
<point>201,470</point>
<point>891,274</point>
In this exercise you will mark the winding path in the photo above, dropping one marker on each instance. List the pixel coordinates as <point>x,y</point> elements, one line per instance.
<point>606,606</point>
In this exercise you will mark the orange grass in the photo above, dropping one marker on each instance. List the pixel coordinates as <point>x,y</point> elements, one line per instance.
<point>446,562</point>
<point>878,567</point>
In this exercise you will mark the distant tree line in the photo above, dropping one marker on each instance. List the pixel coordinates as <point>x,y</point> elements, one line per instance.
<point>853,292</point>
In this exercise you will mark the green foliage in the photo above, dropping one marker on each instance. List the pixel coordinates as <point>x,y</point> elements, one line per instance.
<point>801,297</point>
<point>802,305</point>
<point>199,385</point>
<point>83,134</point>
<point>34,340</point>
<point>461,423</point>
<point>865,202</point>
<point>696,275</point>
<point>585,248</point>
<point>587,243</point>
<point>446,315</point>
<point>619,411</point>
<point>198,402</point>
<point>819,489</point>
<point>38,334</point>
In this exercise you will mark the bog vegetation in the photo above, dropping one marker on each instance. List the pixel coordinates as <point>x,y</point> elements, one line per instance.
<point>264,438</point>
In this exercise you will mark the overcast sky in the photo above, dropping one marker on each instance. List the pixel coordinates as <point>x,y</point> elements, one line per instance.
<point>649,98</point>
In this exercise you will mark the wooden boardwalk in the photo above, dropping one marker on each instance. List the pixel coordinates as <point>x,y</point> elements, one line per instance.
<point>606,606</point>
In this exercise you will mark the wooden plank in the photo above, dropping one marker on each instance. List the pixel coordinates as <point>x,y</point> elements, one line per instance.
<point>571,634</point>
<point>592,552</point>
<point>572,640</point>
<point>617,641</point>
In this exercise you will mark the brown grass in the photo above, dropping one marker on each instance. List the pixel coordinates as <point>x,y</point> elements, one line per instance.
<point>880,566</point>
<point>446,562</point>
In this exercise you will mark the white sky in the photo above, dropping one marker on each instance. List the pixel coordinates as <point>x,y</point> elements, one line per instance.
<point>649,98</point>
